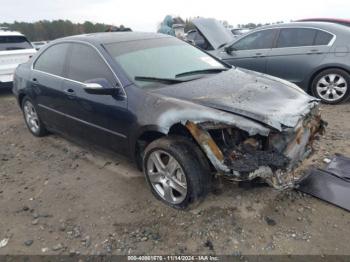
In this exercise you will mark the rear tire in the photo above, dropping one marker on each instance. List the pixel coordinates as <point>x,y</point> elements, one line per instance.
<point>32,118</point>
<point>332,86</point>
<point>176,172</point>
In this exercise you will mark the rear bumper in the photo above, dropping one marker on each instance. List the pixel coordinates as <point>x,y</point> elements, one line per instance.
<point>6,78</point>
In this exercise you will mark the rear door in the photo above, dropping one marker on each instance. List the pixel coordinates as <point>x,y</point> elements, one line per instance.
<point>100,119</point>
<point>251,51</point>
<point>298,51</point>
<point>46,83</point>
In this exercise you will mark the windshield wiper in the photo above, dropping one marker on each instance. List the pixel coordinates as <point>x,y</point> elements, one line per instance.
<point>158,79</point>
<point>203,71</point>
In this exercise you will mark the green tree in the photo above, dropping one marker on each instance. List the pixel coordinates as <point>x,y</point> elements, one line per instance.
<point>49,30</point>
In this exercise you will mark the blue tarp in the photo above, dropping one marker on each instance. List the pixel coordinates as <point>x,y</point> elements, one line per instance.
<point>166,26</point>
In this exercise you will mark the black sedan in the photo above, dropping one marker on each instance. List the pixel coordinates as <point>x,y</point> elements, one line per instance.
<point>180,113</point>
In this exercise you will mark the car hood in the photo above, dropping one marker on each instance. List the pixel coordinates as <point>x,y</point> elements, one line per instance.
<point>266,99</point>
<point>213,31</point>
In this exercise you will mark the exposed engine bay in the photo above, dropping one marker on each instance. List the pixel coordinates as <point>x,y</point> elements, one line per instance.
<point>273,158</point>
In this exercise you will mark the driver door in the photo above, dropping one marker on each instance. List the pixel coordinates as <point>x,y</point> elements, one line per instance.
<point>100,119</point>
<point>251,51</point>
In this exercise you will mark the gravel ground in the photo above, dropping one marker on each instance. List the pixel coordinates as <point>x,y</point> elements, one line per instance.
<point>57,197</point>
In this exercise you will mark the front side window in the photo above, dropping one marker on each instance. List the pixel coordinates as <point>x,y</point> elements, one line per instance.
<point>52,60</point>
<point>8,43</point>
<point>86,64</point>
<point>258,40</point>
<point>294,37</point>
<point>160,58</point>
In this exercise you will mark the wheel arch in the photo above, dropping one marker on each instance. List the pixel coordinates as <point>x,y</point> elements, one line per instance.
<point>324,68</point>
<point>149,134</point>
<point>20,98</point>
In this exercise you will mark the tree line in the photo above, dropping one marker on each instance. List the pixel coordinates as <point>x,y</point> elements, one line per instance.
<point>49,30</point>
<point>253,25</point>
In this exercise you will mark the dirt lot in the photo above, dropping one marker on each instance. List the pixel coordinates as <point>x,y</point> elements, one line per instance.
<point>57,198</point>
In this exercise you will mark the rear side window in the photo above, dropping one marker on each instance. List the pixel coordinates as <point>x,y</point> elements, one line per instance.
<point>86,64</point>
<point>52,60</point>
<point>8,43</point>
<point>258,40</point>
<point>323,38</point>
<point>294,37</point>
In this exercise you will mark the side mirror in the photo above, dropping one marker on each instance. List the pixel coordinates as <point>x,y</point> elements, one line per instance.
<point>99,86</point>
<point>229,49</point>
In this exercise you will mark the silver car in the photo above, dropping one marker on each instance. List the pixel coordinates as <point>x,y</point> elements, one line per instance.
<point>313,55</point>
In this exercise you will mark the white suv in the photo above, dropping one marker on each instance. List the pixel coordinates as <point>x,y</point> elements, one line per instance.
<point>15,49</point>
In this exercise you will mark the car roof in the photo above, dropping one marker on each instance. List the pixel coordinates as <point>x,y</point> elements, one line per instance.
<point>113,37</point>
<point>323,19</point>
<point>328,26</point>
<point>10,33</point>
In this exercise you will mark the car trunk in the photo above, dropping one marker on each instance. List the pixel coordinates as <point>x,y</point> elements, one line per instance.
<point>9,60</point>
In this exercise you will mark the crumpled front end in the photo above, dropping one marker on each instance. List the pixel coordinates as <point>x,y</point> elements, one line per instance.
<point>235,153</point>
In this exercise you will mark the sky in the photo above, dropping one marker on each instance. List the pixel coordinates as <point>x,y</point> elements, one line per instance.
<point>147,14</point>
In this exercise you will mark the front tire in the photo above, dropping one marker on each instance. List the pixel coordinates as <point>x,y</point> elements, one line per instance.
<point>32,119</point>
<point>176,172</point>
<point>332,86</point>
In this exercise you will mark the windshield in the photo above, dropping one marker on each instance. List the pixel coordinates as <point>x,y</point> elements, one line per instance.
<point>14,43</point>
<point>163,58</point>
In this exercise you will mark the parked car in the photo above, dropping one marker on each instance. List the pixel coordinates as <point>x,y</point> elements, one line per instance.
<point>39,44</point>
<point>182,119</point>
<point>313,55</point>
<point>14,50</point>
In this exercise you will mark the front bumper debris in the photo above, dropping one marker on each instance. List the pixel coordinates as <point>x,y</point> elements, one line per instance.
<point>274,158</point>
<point>331,184</point>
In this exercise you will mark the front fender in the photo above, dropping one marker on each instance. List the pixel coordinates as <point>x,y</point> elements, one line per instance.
<point>157,113</point>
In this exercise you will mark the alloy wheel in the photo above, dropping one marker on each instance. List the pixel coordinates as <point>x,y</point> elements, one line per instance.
<point>31,117</point>
<point>167,177</point>
<point>331,87</point>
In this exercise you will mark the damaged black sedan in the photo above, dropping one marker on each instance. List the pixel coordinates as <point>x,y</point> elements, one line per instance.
<point>181,114</point>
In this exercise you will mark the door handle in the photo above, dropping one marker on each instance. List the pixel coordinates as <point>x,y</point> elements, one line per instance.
<point>314,51</point>
<point>259,55</point>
